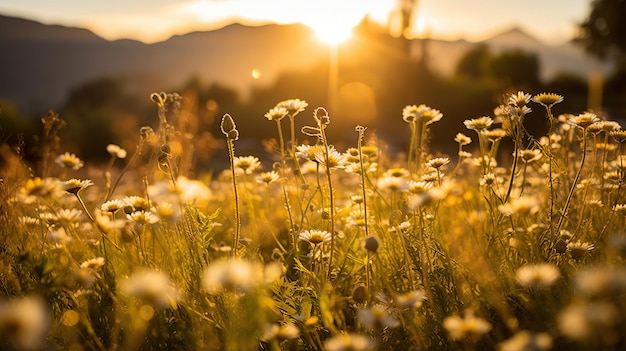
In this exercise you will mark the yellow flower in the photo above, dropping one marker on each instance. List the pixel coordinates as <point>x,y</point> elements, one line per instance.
<point>393,183</point>
<point>47,188</point>
<point>280,332</point>
<point>307,152</point>
<point>438,162</point>
<point>315,237</point>
<point>581,321</point>
<point>68,216</point>
<point>167,211</point>
<point>293,106</point>
<point>522,205</point>
<point>397,173</point>
<point>519,99</point>
<point>247,164</point>
<point>136,203</point>
<point>579,250</point>
<point>421,113</point>
<point>376,317</point>
<point>495,134</point>
<point>619,135</point>
<point>93,263</point>
<point>335,158</point>
<point>238,275</point>
<point>112,206</point>
<point>23,323</point>
<point>68,160</point>
<point>267,177</point>
<point>413,299</point>
<point>276,113</point>
<point>601,282</point>
<point>420,187</point>
<point>537,275</point>
<point>151,286</point>
<point>525,340</point>
<point>584,120</point>
<point>547,99</point>
<point>116,151</point>
<point>478,124</point>
<point>488,179</point>
<point>529,156</point>
<point>73,186</point>
<point>609,126</point>
<point>620,208</point>
<point>143,217</point>
<point>469,326</point>
<point>462,139</point>
<point>349,342</point>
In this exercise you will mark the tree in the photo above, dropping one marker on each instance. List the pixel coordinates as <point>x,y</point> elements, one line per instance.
<point>475,64</point>
<point>518,68</point>
<point>603,33</point>
<point>511,67</point>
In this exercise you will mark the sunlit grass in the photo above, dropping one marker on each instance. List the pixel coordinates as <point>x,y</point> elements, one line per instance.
<point>318,248</point>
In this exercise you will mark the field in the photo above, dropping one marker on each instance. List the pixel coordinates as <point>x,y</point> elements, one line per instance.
<point>315,248</point>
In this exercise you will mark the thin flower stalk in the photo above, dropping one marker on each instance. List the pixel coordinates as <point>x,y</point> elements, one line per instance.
<point>331,203</point>
<point>230,130</point>
<point>322,120</point>
<point>518,144</point>
<point>361,130</point>
<point>576,179</point>
<point>412,147</point>
<point>277,114</point>
<point>145,133</point>
<point>550,164</point>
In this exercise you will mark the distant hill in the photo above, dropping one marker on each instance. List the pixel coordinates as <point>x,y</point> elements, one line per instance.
<point>554,59</point>
<point>40,63</point>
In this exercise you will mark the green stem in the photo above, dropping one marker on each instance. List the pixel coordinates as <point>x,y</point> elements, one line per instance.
<point>331,198</point>
<point>363,193</point>
<point>281,140</point>
<point>412,148</point>
<point>550,156</point>
<point>515,160</point>
<point>571,191</point>
<point>231,153</point>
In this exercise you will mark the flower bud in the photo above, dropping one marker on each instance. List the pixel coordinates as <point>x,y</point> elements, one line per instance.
<point>371,244</point>
<point>359,293</point>
<point>227,124</point>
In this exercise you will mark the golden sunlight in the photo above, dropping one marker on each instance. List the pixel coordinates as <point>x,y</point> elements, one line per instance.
<point>255,73</point>
<point>331,20</point>
<point>333,33</point>
<point>334,21</point>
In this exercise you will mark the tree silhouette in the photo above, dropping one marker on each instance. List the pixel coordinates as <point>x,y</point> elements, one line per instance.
<point>603,33</point>
<point>514,67</point>
<point>520,69</point>
<point>475,64</point>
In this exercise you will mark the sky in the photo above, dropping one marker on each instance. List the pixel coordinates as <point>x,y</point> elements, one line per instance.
<point>552,21</point>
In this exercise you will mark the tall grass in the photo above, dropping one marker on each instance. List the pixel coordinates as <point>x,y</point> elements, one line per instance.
<point>518,249</point>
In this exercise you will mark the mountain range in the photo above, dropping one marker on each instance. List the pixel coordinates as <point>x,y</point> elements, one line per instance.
<point>40,64</point>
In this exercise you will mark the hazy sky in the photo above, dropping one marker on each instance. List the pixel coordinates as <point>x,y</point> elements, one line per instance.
<point>553,21</point>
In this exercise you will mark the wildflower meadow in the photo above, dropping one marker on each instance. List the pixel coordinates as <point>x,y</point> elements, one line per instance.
<point>516,242</point>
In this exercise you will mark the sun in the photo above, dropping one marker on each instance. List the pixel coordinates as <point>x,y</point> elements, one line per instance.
<point>333,33</point>
<point>334,21</point>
